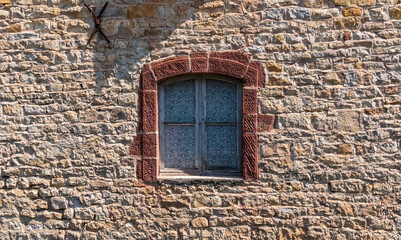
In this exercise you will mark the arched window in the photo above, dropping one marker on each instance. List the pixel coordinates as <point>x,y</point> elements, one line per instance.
<point>200,126</point>
<point>205,141</point>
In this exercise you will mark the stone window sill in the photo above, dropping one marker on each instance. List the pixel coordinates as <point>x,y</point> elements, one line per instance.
<point>199,179</point>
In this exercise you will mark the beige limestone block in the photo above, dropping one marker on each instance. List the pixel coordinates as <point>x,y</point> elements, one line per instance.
<point>348,12</point>
<point>348,121</point>
<point>333,78</point>
<point>145,10</point>
<point>200,222</point>
<point>355,2</point>
<point>273,67</point>
<point>395,13</point>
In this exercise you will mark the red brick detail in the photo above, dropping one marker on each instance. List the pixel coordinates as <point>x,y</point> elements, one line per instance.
<point>199,65</point>
<point>149,111</point>
<point>234,56</point>
<point>251,77</point>
<point>261,73</point>
<point>250,156</point>
<point>227,67</point>
<point>170,67</point>
<point>249,123</point>
<point>265,122</point>
<point>139,169</point>
<point>198,55</point>
<point>149,145</point>
<point>249,101</point>
<point>149,170</point>
<point>148,81</point>
<point>136,147</point>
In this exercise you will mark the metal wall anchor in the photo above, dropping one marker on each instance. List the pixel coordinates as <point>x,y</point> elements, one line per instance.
<point>97,20</point>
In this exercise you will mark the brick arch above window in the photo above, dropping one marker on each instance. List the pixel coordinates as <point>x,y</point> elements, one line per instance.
<point>232,64</point>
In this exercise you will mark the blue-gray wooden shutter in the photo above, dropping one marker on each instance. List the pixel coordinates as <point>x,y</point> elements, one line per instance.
<point>222,123</point>
<point>179,125</point>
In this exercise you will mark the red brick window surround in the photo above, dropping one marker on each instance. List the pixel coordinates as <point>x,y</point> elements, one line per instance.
<point>233,64</point>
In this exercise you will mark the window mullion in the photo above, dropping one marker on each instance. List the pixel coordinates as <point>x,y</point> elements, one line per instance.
<point>202,114</point>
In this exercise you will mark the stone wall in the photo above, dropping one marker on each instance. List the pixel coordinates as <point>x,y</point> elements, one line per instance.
<point>330,168</point>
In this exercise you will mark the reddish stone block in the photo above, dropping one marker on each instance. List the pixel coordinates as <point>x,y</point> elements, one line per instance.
<point>198,65</point>
<point>149,111</point>
<point>261,73</point>
<point>251,77</point>
<point>249,123</point>
<point>265,122</point>
<point>149,146</point>
<point>149,170</point>
<point>136,147</point>
<point>250,156</point>
<point>235,56</point>
<point>139,169</point>
<point>170,67</point>
<point>227,67</point>
<point>148,82</point>
<point>249,101</point>
<point>198,55</point>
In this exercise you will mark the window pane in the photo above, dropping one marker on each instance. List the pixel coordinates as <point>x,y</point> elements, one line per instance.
<point>221,101</point>
<point>179,147</point>
<point>179,102</point>
<point>221,147</point>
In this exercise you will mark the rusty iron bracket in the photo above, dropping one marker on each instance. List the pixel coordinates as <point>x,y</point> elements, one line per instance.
<point>97,20</point>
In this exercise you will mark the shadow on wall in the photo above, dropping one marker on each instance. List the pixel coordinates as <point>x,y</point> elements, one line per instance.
<point>141,33</point>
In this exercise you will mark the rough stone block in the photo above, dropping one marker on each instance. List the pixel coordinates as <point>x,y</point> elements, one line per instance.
<point>348,121</point>
<point>395,13</point>
<point>347,23</point>
<point>355,2</point>
<point>173,202</point>
<point>301,14</point>
<point>275,14</point>
<point>116,213</point>
<point>200,222</point>
<point>59,203</point>
<point>265,122</point>
<point>351,186</point>
<point>334,78</point>
<point>144,10</point>
<point>348,12</point>
<point>273,67</point>
<point>276,80</point>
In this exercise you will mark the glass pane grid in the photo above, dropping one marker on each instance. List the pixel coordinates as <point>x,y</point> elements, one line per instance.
<point>214,143</point>
<point>179,102</point>
<point>179,146</point>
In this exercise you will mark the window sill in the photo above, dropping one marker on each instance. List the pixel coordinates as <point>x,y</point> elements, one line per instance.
<point>199,179</point>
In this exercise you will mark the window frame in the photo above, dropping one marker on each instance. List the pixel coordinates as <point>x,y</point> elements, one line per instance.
<point>200,81</point>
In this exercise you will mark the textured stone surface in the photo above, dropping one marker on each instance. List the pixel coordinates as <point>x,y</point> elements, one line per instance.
<point>70,117</point>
